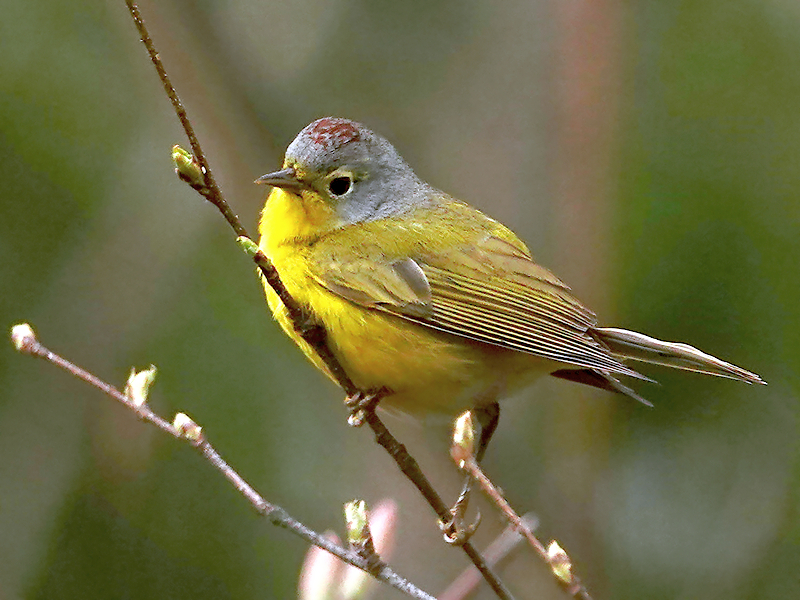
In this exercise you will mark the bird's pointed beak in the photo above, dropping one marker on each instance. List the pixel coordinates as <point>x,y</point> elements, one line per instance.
<point>285,178</point>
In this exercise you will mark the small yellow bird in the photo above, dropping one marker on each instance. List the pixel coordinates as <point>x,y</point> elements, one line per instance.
<point>426,296</point>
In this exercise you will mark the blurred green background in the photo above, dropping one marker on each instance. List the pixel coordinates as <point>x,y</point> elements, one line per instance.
<point>648,151</point>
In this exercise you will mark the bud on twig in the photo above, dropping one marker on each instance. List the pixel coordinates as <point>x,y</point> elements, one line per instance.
<point>248,246</point>
<point>463,447</point>
<point>138,385</point>
<point>187,167</point>
<point>355,516</point>
<point>560,563</point>
<point>23,338</point>
<point>187,427</point>
<point>371,537</point>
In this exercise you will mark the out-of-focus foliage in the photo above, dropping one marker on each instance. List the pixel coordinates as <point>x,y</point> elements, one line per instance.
<point>116,263</point>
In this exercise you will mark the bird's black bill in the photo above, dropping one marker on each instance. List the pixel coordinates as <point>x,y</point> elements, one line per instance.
<point>285,178</point>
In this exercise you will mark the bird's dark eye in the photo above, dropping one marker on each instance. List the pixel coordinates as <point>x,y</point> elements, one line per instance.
<point>339,186</point>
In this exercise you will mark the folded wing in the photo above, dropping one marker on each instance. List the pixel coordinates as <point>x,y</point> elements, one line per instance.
<point>491,292</point>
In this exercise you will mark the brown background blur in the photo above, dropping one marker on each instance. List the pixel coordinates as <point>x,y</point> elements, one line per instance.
<point>648,152</point>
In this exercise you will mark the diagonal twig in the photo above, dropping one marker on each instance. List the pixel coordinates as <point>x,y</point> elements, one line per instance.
<point>499,550</point>
<point>25,341</point>
<point>462,453</point>
<point>311,331</point>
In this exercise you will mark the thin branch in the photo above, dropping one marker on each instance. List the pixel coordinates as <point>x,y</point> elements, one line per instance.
<point>555,557</point>
<point>410,468</point>
<point>212,192</point>
<point>312,332</point>
<point>25,341</point>
<point>496,552</point>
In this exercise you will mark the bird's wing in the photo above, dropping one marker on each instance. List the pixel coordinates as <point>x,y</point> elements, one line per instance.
<point>399,287</point>
<point>490,291</point>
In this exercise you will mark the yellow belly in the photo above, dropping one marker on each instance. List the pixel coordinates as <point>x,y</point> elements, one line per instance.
<point>427,371</point>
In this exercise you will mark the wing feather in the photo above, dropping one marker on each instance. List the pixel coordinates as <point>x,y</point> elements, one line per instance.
<point>491,292</point>
<point>532,330</point>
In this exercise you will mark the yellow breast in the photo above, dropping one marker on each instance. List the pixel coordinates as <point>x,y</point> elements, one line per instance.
<point>426,370</point>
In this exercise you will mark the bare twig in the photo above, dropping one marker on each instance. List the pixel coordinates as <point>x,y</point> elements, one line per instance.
<point>183,428</point>
<point>411,469</point>
<point>310,330</point>
<point>500,548</point>
<point>211,191</point>
<point>462,452</point>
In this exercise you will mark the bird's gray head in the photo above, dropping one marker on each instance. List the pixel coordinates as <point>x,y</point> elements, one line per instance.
<point>357,171</point>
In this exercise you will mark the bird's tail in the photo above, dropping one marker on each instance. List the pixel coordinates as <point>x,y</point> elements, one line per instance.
<point>636,346</point>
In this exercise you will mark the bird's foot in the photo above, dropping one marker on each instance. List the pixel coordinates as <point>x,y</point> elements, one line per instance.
<point>456,531</point>
<point>359,404</point>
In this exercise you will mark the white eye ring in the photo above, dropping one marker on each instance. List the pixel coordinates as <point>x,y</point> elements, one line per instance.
<point>339,186</point>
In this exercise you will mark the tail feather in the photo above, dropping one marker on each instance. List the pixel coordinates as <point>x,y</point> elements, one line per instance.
<point>599,379</point>
<point>636,346</point>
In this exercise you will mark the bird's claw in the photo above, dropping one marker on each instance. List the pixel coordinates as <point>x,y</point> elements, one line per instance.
<point>456,532</point>
<point>358,404</point>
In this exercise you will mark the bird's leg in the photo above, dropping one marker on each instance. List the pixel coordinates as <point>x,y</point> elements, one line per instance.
<point>487,417</point>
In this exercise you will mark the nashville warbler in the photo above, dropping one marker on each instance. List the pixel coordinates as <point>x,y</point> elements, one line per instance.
<point>425,296</point>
